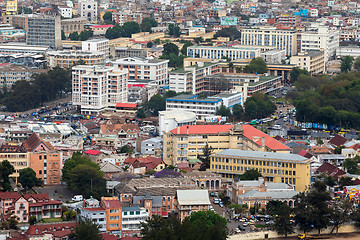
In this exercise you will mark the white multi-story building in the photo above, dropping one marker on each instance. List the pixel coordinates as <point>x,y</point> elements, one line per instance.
<point>67,59</point>
<point>274,56</point>
<point>98,45</point>
<point>96,87</point>
<point>132,217</point>
<point>65,12</point>
<point>169,120</point>
<point>270,36</point>
<point>233,53</point>
<point>96,214</point>
<point>321,38</point>
<point>145,69</point>
<point>89,10</point>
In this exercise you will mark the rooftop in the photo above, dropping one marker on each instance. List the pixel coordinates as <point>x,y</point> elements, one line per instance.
<point>193,197</point>
<point>192,98</point>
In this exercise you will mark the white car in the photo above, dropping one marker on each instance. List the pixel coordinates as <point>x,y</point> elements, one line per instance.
<point>77,198</point>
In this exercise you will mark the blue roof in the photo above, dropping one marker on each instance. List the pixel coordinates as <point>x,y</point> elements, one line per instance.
<point>127,209</point>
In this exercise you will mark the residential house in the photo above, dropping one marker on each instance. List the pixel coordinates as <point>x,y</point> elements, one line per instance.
<point>113,214</point>
<point>189,201</point>
<point>132,219</point>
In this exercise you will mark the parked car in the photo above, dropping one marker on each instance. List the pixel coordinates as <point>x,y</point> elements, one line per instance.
<point>216,200</point>
<point>221,204</point>
<point>77,198</point>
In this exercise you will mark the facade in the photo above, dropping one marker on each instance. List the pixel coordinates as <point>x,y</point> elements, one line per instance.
<point>190,201</point>
<point>89,10</point>
<point>100,29</point>
<point>321,38</point>
<point>17,156</point>
<point>233,53</point>
<point>270,36</point>
<point>68,59</point>
<point>21,48</point>
<point>287,168</point>
<point>98,45</point>
<point>65,12</point>
<point>148,146</point>
<point>123,17</point>
<point>113,214</point>
<point>145,69</point>
<point>140,91</point>
<point>192,78</point>
<point>276,56</point>
<point>97,87</point>
<point>169,120</point>
<point>312,61</point>
<point>347,51</point>
<point>125,52</point>
<point>203,107</point>
<point>44,30</point>
<point>11,7</point>
<point>186,142</point>
<point>20,21</point>
<point>10,74</point>
<point>132,217</point>
<point>72,25</point>
<point>96,214</point>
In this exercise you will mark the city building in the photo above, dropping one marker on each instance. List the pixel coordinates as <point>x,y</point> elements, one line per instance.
<point>313,61</point>
<point>192,78</point>
<point>190,201</point>
<point>169,120</point>
<point>123,17</point>
<point>98,45</point>
<point>68,59</point>
<point>203,107</point>
<point>44,30</point>
<point>96,214</point>
<point>232,53</point>
<point>10,74</point>
<point>276,56</point>
<point>145,69</point>
<point>347,51</point>
<point>125,52</point>
<point>11,7</point>
<point>96,87</point>
<point>132,217</point>
<point>270,36</point>
<point>65,11</point>
<point>140,91</point>
<point>73,25</point>
<point>321,38</point>
<point>149,146</point>
<point>22,48</point>
<point>113,210</point>
<point>186,142</point>
<point>100,29</point>
<point>88,9</point>
<point>275,167</point>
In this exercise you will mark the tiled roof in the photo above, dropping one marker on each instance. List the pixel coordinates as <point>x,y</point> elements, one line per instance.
<point>95,209</point>
<point>331,170</point>
<point>116,128</point>
<point>93,152</point>
<point>49,228</point>
<point>102,26</point>
<point>33,141</point>
<point>305,153</point>
<point>338,140</point>
<point>106,236</point>
<point>38,196</point>
<point>111,204</point>
<point>126,105</point>
<point>9,195</point>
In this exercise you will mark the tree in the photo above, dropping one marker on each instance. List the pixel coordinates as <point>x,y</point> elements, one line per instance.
<point>338,149</point>
<point>27,178</point>
<point>283,224</point>
<point>161,228</point>
<point>85,35</point>
<point>157,103</point>
<point>351,166</point>
<point>141,113</point>
<point>198,40</point>
<point>259,105</point>
<point>273,206</point>
<point>174,30</point>
<point>205,157</point>
<point>126,149</point>
<point>32,220</point>
<point>107,16</point>
<point>149,44</point>
<point>239,208</point>
<point>76,159</point>
<point>87,229</point>
<point>74,36</point>
<point>230,32</point>
<point>147,24</point>
<point>296,72</point>
<point>237,111</point>
<point>130,28</point>
<point>6,169</point>
<point>185,46</point>
<point>256,65</point>
<point>356,64</point>
<point>223,111</point>
<point>69,215</point>
<point>251,174</point>
<point>346,63</point>
<point>63,37</point>
<point>170,48</point>
<point>345,181</point>
<point>340,213</point>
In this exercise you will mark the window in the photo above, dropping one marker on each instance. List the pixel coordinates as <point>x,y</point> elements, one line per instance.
<point>114,225</point>
<point>114,210</point>
<point>114,217</point>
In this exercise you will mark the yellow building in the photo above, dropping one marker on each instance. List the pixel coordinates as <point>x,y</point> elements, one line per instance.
<point>11,7</point>
<point>17,156</point>
<point>186,142</point>
<point>287,168</point>
<point>313,61</point>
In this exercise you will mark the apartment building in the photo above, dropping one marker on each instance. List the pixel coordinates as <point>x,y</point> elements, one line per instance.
<point>100,29</point>
<point>10,74</point>
<point>125,52</point>
<point>123,17</point>
<point>98,45</point>
<point>68,59</point>
<point>89,10</point>
<point>132,217</point>
<point>17,156</point>
<point>190,201</point>
<point>144,69</point>
<point>44,30</point>
<point>312,61</point>
<point>73,25</point>
<point>192,78</point>
<point>233,53</point>
<point>97,87</point>
<point>321,38</point>
<point>96,214</point>
<point>113,214</point>
<point>20,21</point>
<point>11,7</point>
<point>275,167</point>
<point>186,142</point>
<point>270,36</point>
<point>203,107</point>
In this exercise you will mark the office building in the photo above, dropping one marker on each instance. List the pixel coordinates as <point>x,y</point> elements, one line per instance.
<point>192,78</point>
<point>321,38</point>
<point>96,87</point>
<point>89,10</point>
<point>68,59</point>
<point>313,61</point>
<point>11,7</point>
<point>275,167</point>
<point>22,48</point>
<point>144,69</point>
<point>232,53</point>
<point>186,142</point>
<point>44,30</point>
<point>270,36</point>
<point>98,45</point>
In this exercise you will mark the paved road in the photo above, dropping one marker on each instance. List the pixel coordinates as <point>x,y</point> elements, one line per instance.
<point>61,192</point>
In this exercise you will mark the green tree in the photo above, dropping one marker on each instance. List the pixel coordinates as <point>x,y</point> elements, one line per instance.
<point>256,65</point>
<point>63,37</point>
<point>130,28</point>
<point>69,215</point>
<point>296,72</point>
<point>356,64</point>
<point>85,35</point>
<point>141,113</point>
<point>185,46</point>
<point>147,24</point>
<point>174,30</point>
<point>74,36</point>
<point>27,178</point>
<point>161,228</point>
<point>259,105</point>
<point>239,208</point>
<point>346,63</point>
<point>230,32</point>
<point>205,157</point>
<point>345,181</point>
<point>223,111</point>
<point>351,166</point>
<point>198,40</point>
<point>170,48</point>
<point>238,111</point>
<point>338,149</point>
<point>107,16</point>
<point>157,103</point>
<point>149,44</point>
<point>251,174</point>
<point>6,169</point>
<point>283,224</point>
<point>126,149</point>
<point>32,220</point>
<point>76,159</point>
<point>273,206</point>
<point>87,229</point>
<point>340,213</point>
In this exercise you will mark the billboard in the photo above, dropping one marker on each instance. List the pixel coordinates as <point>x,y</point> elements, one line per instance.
<point>228,21</point>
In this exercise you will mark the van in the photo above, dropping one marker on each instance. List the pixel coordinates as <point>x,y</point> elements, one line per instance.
<point>216,201</point>
<point>77,198</point>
